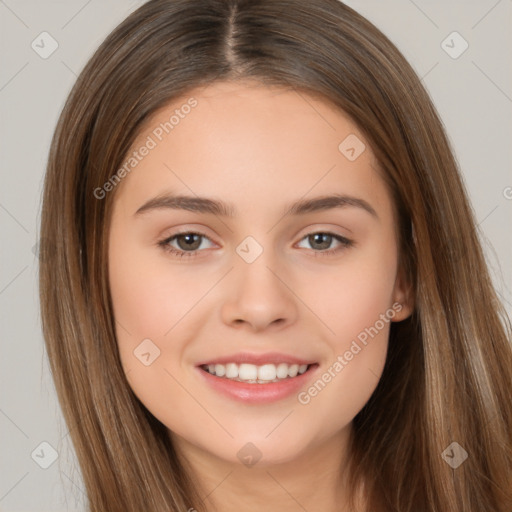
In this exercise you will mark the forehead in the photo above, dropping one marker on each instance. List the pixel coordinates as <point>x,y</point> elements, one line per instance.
<point>251,144</point>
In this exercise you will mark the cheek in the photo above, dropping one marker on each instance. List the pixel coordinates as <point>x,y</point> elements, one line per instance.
<point>159,301</point>
<point>149,296</point>
<point>351,296</point>
<point>150,307</point>
<point>357,308</point>
<point>140,295</point>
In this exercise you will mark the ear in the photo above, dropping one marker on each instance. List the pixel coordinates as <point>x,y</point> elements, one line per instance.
<point>403,295</point>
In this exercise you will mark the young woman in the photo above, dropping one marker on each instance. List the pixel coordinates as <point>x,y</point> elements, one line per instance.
<point>268,291</point>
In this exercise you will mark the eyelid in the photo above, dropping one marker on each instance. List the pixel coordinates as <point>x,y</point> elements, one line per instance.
<point>165,242</point>
<point>343,242</point>
<point>319,227</point>
<point>188,229</point>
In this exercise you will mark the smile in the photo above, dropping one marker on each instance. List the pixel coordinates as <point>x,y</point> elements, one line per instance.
<point>257,384</point>
<point>254,374</point>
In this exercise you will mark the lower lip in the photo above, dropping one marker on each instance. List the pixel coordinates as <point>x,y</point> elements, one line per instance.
<point>257,393</point>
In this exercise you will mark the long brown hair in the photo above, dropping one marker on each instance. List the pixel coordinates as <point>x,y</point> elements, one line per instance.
<point>448,374</point>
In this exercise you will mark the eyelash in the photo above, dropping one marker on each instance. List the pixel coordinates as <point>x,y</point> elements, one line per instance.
<point>164,244</point>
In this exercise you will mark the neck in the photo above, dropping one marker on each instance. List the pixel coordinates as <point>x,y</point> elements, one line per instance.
<point>316,479</point>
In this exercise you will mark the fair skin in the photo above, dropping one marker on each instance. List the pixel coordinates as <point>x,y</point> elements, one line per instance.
<point>259,149</point>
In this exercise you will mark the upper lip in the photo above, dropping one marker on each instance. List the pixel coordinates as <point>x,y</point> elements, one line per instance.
<point>257,359</point>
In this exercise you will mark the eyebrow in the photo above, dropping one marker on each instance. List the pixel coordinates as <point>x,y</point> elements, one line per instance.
<point>222,209</point>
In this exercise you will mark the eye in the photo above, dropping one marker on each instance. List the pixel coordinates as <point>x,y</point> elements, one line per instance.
<point>323,240</point>
<point>188,244</point>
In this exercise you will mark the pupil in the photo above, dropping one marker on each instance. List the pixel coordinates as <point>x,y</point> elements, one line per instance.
<point>317,239</point>
<point>189,244</point>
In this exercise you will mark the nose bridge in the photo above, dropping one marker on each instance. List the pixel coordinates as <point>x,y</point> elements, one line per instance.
<point>255,269</point>
<point>257,294</point>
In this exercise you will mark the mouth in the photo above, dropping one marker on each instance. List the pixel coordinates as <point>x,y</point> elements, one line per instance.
<point>257,374</point>
<point>257,384</point>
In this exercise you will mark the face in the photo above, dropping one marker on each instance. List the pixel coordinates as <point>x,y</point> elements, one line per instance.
<point>289,265</point>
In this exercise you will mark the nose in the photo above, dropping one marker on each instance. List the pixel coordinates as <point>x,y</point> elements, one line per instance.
<point>258,297</point>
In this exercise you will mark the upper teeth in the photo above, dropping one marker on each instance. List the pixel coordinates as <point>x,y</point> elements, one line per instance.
<point>251,372</point>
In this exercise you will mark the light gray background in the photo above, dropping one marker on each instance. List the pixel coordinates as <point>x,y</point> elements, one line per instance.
<point>473,94</point>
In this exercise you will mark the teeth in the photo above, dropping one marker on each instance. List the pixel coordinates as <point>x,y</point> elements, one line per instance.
<point>265,372</point>
<point>231,371</point>
<point>220,370</point>
<point>256,374</point>
<point>247,372</point>
<point>293,370</point>
<point>282,371</point>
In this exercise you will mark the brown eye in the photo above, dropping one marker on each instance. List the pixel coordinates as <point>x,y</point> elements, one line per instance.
<point>186,244</point>
<point>321,242</point>
<point>188,241</point>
